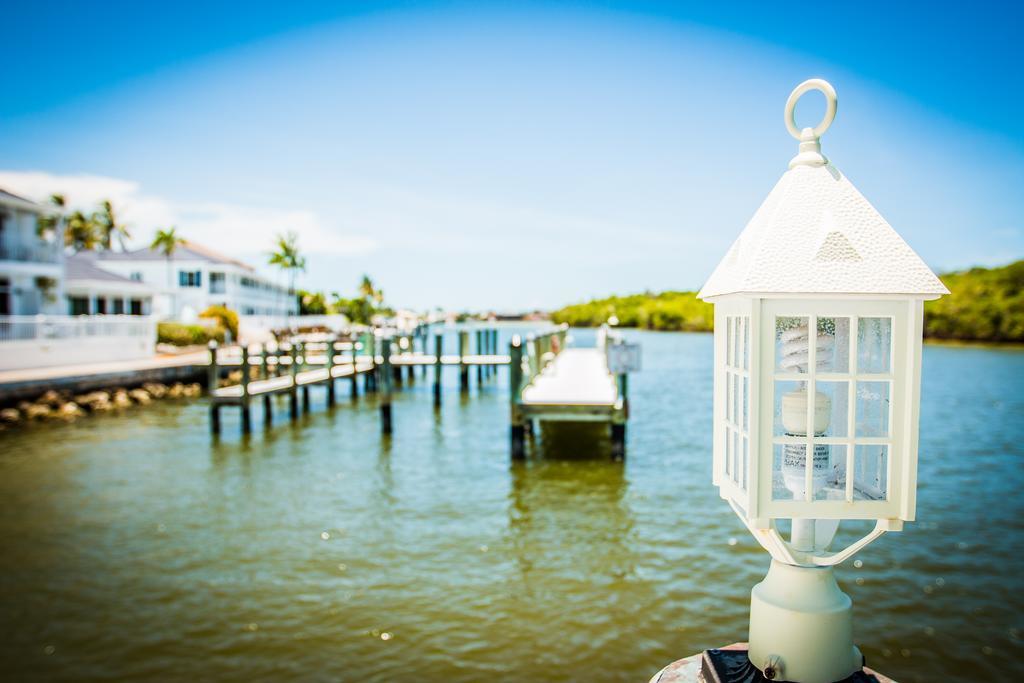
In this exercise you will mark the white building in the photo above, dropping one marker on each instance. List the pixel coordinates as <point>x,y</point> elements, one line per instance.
<point>31,267</point>
<point>39,287</point>
<point>195,278</point>
<point>91,290</point>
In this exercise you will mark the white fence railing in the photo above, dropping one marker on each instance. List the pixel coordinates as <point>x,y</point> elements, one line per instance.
<point>50,327</point>
<point>37,341</point>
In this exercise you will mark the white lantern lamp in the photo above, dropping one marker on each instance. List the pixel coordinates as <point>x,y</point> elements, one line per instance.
<point>818,326</point>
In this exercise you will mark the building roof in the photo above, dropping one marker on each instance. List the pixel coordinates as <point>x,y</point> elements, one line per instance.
<point>186,251</point>
<point>11,199</point>
<point>816,233</point>
<point>81,266</point>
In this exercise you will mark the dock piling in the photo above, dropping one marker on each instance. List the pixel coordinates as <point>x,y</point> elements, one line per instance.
<point>371,376</point>
<point>480,352</point>
<point>463,368</point>
<point>515,381</point>
<point>293,370</point>
<point>330,369</point>
<point>438,350</point>
<point>246,369</point>
<point>305,387</point>
<point>494,349</point>
<point>385,388</point>
<point>212,382</point>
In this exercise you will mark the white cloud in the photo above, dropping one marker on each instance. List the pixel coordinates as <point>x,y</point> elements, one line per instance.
<point>235,229</point>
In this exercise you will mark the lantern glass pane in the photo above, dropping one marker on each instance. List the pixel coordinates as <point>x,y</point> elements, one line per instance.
<point>833,345</point>
<point>745,404</point>
<point>874,345</point>
<point>834,410</point>
<point>736,399</point>
<point>730,340</point>
<point>746,343</point>
<point>729,417</point>
<point>790,408</point>
<point>870,473</point>
<point>746,463</point>
<point>791,350</point>
<point>830,482</point>
<point>872,409</point>
<point>728,452</point>
<point>788,472</point>
<point>736,457</point>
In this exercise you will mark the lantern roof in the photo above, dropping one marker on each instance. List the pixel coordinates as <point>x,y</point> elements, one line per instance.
<point>817,234</point>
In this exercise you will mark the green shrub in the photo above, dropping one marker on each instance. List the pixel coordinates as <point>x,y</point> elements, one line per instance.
<point>984,304</point>
<point>225,317</point>
<point>665,311</point>
<point>186,335</point>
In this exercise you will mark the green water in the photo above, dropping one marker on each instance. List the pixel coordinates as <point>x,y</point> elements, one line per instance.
<point>134,547</point>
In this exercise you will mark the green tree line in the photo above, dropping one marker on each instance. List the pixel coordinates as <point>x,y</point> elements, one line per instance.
<point>984,304</point>
<point>360,309</point>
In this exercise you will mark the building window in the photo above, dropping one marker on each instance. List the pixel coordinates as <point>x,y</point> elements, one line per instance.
<point>79,305</point>
<point>136,307</point>
<point>135,276</point>
<point>101,306</point>
<point>190,278</point>
<point>119,306</point>
<point>217,283</point>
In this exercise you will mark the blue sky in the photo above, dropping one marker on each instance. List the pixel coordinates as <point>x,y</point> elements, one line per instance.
<point>515,155</point>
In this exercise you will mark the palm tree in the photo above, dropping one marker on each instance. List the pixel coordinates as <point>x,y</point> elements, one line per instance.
<point>80,232</point>
<point>50,224</point>
<point>366,289</point>
<point>288,258</point>
<point>108,227</point>
<point>74,229</point>
<point>166,242</point>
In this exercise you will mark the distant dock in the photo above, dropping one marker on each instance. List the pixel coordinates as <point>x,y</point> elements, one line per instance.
<point>551,382</point>
<point>379,356</point>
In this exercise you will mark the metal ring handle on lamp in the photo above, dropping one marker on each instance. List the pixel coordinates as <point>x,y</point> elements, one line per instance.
<point>831,104</point>
<point>810,146</point>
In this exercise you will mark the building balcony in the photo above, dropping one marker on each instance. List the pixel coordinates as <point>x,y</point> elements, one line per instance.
<point>36,251</point>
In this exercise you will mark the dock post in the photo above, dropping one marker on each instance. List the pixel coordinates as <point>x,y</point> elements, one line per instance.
<point>618,441</point>
<point>385,393</point>
<point>424,343</point>
<point>396,370</point>
<point>494,349</point>
<point>515,382</point>
<point>293,370</point>
<point>246,369</point>
<point>438,350</point>
<point>212,382</point>
<point>305,387</point>
<point>371,376</point>
<point>463,368</point>
<point>479,352</point>
<point>410,369</point>
<point>619,425</point>
<point>534,356</point>
<point>330,370</point>
<point>268,417</point>
<point>355,366</point>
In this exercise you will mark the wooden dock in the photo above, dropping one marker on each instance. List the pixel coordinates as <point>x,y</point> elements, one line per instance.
<point>550,382</point>
<point>379,356</point>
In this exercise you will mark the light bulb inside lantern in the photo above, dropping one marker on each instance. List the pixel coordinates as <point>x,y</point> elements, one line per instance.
<point>796,358</point>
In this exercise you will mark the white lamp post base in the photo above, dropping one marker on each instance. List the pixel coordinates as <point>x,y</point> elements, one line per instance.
<point>801,626</point>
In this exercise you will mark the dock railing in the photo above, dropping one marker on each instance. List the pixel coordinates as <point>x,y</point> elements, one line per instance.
<point>384,357</point>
